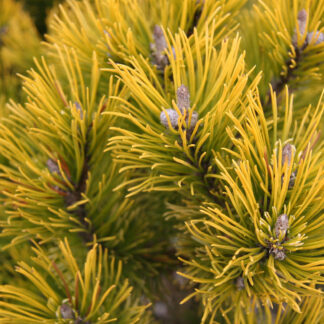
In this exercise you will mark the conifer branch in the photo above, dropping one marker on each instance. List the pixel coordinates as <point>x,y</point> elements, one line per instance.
<point>203,162</point>
<point>197,15</point>
<point>291,66</point>
<point>72,197</point>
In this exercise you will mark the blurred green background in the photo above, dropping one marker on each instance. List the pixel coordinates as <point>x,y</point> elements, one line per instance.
<point>38,9</point>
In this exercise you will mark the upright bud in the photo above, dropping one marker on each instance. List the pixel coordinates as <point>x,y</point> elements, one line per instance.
<point>66,311</point>
<point>160,42</point>
<point>302,21</point>
<point>314,36</point>
<point>287,153</point>
<point>52,166</point>
<point>183,103</point>
<point>159,47</point>
<point>183,98</point>
<point>240,283</point>
<point>282,225</point>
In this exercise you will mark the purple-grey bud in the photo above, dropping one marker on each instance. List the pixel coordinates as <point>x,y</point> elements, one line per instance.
<point>160,42</point>
<point>66,311</point>
<point>287,153</point>
<point>159,47</point>
<point>173,116</point>
<point>183,98</point>
<point>319,37</point>
<point>302,20</point>
<point>279,254</point>
<point>240,283</point>
<point>52,166</point>
<point>292,180</point>
<point>193,120</point>
<point>79,109</point>
<point>281,225</point>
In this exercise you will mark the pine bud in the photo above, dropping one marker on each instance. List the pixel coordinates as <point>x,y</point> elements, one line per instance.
<point>240,283</point>
<point>287,152</point>
<point>279,254</point>
<point>193,120</point>
<point>160,42</point>
<point>319,37</point>
<point>292,180</point>
<point>52,166</point>
<point>302,20</point>
<point>66,311</point>
<point>183,103</point>
<point>281,225</point>
<point>173,116</point>
<point>159,47</point>
<point>183,98</point>
<point>160,309</point>
<point>79,109</point>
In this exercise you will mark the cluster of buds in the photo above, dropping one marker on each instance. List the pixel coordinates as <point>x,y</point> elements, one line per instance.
<point>302,24</point>
<point>287,153</point>
<point>281,228</point>
<point>183,103</point>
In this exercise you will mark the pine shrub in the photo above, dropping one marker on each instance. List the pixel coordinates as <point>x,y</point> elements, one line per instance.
<point>166,166</point>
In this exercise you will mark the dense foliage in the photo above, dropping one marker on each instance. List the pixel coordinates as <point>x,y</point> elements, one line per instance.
<point>165,164</point>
